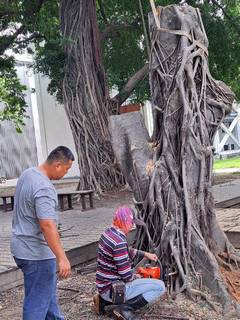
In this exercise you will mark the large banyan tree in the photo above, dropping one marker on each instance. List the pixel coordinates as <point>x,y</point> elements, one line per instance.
<point>171,173</point>
<point>86,95</point>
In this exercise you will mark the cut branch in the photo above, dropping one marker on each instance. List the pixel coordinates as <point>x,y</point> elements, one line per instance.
<point>128,88</point>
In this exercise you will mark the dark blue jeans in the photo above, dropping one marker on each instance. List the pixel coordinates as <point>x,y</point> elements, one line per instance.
<point>40,280</point>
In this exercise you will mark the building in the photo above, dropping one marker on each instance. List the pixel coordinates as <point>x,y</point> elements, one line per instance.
<point>227,138</point>
<point>46,128</point>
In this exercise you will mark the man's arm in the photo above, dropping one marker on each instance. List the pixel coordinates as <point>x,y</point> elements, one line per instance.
<point>135,253</point>
<point>51,235</point>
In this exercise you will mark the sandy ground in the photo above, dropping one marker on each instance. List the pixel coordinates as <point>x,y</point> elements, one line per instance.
<point>75,298</point>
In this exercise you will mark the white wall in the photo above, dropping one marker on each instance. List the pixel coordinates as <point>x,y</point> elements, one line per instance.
<point>53,124</point>
<point>18,151</point>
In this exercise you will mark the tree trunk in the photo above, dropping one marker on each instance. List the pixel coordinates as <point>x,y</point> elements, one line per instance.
<point>86,98</point>
<point>189,106</point>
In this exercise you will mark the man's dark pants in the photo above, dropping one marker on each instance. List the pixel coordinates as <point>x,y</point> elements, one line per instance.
<point>40,301</point>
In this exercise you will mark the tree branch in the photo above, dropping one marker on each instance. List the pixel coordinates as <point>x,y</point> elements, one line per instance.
<point>9,40</point>
<point>128,88</point>
<point>112,30</point>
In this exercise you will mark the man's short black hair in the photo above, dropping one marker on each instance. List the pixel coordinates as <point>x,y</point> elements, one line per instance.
<point>61,153</point>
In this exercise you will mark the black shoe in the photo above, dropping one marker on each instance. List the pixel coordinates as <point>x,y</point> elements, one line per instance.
<point>100,304</point>
<point>125,312</point>
<point>137,302</point>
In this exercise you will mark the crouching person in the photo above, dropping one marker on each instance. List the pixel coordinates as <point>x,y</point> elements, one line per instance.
<point>114,269</point>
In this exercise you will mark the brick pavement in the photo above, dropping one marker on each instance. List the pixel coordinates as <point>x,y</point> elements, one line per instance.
<point>78,227</point>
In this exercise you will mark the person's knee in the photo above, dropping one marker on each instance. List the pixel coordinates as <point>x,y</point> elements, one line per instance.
<point>156,290</point>
<point>159,287</point>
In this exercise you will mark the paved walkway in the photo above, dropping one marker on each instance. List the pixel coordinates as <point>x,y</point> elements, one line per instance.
<point>225,191</point>
<point>78,227</point>
<point>226,170</point>
<point>81,228</point>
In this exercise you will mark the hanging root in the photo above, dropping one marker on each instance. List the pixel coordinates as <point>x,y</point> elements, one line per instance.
<point>85,97</point>
<point>224,264</point>
<point>234,257</point>
<point>206,263</point>
<point>178,208</point>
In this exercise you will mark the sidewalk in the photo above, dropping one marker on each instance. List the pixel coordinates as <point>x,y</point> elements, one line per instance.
<point>226,171</point>
<point>78,228</point>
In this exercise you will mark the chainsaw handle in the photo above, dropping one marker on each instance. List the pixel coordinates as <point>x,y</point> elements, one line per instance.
<point>161,269</point>
<point>159,264</point>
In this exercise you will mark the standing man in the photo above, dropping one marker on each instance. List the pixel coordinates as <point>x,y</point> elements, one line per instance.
<point>35,242</point>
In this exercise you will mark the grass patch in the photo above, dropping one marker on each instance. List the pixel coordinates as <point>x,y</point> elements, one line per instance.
<point>227,163</point>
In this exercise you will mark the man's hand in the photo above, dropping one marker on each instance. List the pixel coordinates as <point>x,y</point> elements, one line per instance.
<point>151,256</point>
<point>51,235</point>
<point>64,268</point>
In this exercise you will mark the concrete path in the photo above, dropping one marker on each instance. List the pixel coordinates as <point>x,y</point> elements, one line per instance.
<point>80,231</point>
<point>226,170</point>
<point>226,191</point>
<point>78,228</point>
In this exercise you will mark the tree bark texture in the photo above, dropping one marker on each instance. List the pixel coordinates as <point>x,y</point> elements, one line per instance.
<point>86,96</point>
<point>178,207</point>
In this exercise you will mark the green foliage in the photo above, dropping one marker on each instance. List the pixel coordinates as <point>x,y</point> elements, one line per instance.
<point>17,20</point>
<point>125,51</point>
<point>11,94</point>
<point>49,54</point>
<point>224,47</point>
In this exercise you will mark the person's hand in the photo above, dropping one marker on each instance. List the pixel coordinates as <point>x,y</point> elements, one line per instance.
<point>137,276</point>
<point>64,268</point>
<point>151,256</point>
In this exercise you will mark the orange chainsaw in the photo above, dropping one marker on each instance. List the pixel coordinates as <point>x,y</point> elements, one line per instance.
<point>149,271</point>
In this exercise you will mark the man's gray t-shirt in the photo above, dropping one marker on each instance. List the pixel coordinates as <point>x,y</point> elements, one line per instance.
<point>35,198</point>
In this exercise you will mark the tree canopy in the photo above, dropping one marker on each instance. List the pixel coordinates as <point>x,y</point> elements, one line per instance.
<point>35,24</point>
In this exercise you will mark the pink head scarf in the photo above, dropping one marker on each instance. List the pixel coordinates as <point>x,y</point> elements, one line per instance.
<point>124,219</point>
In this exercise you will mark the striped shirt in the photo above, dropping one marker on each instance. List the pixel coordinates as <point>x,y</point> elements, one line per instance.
<point>114,259</point>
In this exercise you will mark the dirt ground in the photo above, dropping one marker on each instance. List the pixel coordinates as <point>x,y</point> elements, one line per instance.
<point>232,278</point>
<point>75,298</point>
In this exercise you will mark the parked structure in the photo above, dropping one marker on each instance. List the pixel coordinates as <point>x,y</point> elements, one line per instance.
<point>227,139</point>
